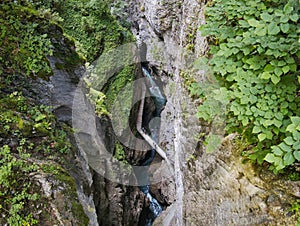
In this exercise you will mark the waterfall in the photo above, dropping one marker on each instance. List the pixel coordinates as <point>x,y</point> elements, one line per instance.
<point>142,176</point>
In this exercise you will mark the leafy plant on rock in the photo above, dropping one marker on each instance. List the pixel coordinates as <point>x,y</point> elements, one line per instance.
<point>24,49</point>
<point>255,51</point>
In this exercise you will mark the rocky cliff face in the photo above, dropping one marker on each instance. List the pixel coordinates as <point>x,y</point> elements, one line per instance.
<point>104,202</point>
<point>206,189</point>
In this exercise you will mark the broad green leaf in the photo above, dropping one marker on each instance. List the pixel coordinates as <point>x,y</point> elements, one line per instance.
<point>269,68</point>
<point>269,114</point>
<point>253,109</point>
<point>277,123</point>
<point>279,115</point>
<point>253,99</point>
<point>278,71</point>
<point>274,62</point>
<point>294,17</point>
<point>275,79</point>
<point>279,164</point>
<point>243,23</point>
<point>235,110</point>
<point>261,31</point>
<point>296,135</point>
<point>285,147</point>
<point>221,53</point>
<point>287,9</point>
<point>270,157</point>
<point>284,104</point>
<point>296,145</point>
<point>297,155</point>
<point>256,129</point>
<point>289,60</point>
<point>269,88</point>
<point>269,52</point>
<point>284,28</point>
<point>265,75</point>
<point>285,69</point>
<point>235,50</point>
<point>277,151</point>
<point>253,90</point>
<point>284,19</point>
<point>261,136</point>
<point>290,98</point>
<point>288,158</point>
<point>276,131</point>
<point>248,112</point>
<point>245,121</point>
<point>269,135</point>
<point>273,29</point>
<point>246,50</point>
<point>293,67</point>
<point>296,121</point>
<point>260,49</point>
<point>289,140</point>
<point>281,63</point>
<point>266,17</point>
<point>253,22</point>
<point>284,111</point>
<point>267,123</point>
<point>278,91</point>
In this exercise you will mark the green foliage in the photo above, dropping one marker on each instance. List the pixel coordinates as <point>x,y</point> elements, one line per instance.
<point>214,105</point>
<point>118,82</point>
<point>16,192</point>
<point>294,176</point>
<point>212,142</point>
<point>255,53</point>
<point>98,100</point>
<point>119,153</point>
<point>28,132</point>
<point>296,209</point>
<point>68,182</point>
<point>288,151</point>
<point>118,9</point>
<point>105,93</point>
<point>90,23</point>
<point>20,119</point>
<point>196,90</point>
<point>24,45</point>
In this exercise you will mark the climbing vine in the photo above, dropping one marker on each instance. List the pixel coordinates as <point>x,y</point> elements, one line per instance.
<point>254,52</point>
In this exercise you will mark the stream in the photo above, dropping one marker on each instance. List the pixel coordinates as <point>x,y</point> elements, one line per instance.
<point>160,101</point>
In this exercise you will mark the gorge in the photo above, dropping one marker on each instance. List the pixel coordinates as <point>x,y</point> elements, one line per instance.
<point>138,154</point>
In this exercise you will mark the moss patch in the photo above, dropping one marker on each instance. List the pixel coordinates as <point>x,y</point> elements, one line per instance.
<point>25,46</point>
<point>90,24</point>
<point>116,84</point>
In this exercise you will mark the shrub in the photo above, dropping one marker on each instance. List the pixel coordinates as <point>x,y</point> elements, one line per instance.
<point>255,55</point>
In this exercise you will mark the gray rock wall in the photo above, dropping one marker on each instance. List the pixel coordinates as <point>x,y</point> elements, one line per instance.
<point>206,189</point>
